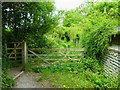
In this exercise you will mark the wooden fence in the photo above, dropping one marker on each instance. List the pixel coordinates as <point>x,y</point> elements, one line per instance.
<point>18,53</point>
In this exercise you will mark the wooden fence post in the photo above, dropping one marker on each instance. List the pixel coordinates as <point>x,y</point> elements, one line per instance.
<point>24,53</point>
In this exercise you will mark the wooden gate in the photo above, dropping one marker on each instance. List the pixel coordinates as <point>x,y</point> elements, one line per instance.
<point>53,55</point>
<point>16,52</point>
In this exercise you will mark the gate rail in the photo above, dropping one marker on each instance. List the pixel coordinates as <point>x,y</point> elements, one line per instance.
<point>55,53</point>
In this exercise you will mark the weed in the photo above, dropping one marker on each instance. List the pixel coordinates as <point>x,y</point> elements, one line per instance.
<point>7,81</point>
<point>76,74</point>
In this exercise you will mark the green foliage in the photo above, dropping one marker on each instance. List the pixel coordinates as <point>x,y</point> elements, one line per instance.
<point>98,29</point>
<point>72,66</point>
<point>28,67</point>
<point>96,23</point>
<point>7,81</point>
<point>76,74</point>
<point>34,22</point>
<point>70,80</point>
<point>96,37</point>
<point>88,80</point>
<point>72,18</point>
<point>62,37</point>
<point>92,64</point>
<point>108,8</point>
<point>101,81</point>
<point>27,21</point>
<point>61,66</point>
<point>5,63</point>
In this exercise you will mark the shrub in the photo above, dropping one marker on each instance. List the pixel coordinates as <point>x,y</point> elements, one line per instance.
<point>96,35</point>
<point>76,74</point>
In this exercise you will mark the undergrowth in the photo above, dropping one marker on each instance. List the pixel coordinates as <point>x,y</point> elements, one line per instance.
<point>86,73</point>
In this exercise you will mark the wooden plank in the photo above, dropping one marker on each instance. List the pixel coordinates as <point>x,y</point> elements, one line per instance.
<point>60,59</point>
<point>55,55</point>
<point>52,63</point>
<point>113,60</point>
<point>56,49</point>
<point>13,48</point>
<point>113,71</point>
<point>13,61</point>
<point>15,53</point>
<point>115,64</point>
<point>74,49</point>
<point>14,57</point>
<point>13,42</point>
<point>111,68</point>
<point>107,71</point>
<point>112,56</point>
<point>56,59</point>
<point>113,49</point>
<point>18,75</point>
<point>45,49</point>
<point>38,56</point>
<point>111,65</point>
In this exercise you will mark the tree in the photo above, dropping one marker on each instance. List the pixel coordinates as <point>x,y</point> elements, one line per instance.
<point>27,21</point>
<point>72,17</point>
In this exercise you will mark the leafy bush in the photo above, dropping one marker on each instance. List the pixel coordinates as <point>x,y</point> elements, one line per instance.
<point>92,64</point>
<point>100,81</point>
<point>96,35</point>
<point>61,66</point>
<point>86,73</point>
<point>5,63</point>
<point>72,66</point>
<point>62,37</point>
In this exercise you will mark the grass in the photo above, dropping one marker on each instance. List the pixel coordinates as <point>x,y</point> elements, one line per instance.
<point>86,79</point>
<point>69,80</point>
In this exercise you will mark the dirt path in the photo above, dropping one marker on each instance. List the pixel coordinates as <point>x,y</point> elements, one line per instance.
<point>28,80</point>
